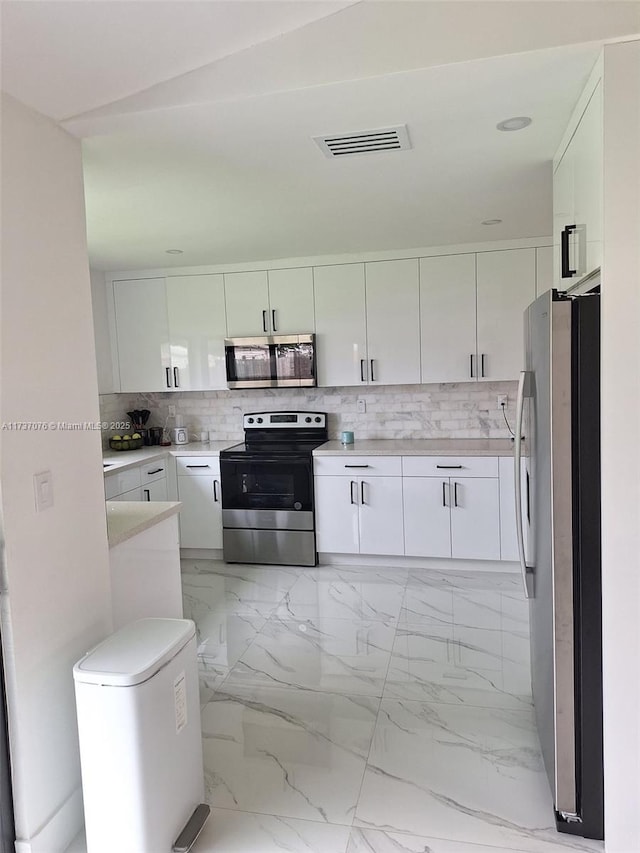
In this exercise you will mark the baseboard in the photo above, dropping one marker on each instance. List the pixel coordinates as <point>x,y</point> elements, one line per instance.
<point>59,831</point>
<point>437,564</point>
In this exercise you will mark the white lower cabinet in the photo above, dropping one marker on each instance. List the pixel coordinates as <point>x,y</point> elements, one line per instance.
<point>475,518</point>
<point>452,517</point>
<point>359,505</point>
<point>156,490</point>
<point>201,495</point>
<point>427,517</point>
<point>131,495</point>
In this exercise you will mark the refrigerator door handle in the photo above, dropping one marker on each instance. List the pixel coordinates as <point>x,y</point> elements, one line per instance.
<point>524,390</point>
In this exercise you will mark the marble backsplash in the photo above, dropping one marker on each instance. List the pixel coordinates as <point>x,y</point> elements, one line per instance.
<point>461,410</point>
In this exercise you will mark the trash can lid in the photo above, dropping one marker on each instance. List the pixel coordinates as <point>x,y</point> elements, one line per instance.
<point>134,653</point>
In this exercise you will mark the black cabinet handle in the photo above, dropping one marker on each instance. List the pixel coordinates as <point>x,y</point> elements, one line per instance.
<point>196,466</point>
<point>176,377</point>
<point>215,491</point>
<point>373,378</point>
<point>444,493</point>
<point>362,500</point>
<point>471,374</point>
<point>155,471</point>
<point>362,376</point>
<point>455,494</point>
<point>482,365</point>
<point>264,321</point>
<point>273,319</point>
<point>448,466</point>
<point>353,483</point>
<point>168,372</point>
<point>147,494</point>
<point>567,272</point>
<point>356,466</point>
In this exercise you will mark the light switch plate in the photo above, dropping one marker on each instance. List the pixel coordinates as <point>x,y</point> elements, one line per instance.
<point>43,485</point>
<point>361,406</point>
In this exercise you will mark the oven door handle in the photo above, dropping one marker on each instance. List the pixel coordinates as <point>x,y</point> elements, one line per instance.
<point>247,459</point>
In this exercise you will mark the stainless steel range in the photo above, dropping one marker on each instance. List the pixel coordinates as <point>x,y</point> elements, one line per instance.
<point>267,489</point>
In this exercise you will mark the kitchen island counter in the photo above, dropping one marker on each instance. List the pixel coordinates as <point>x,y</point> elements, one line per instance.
<point>126,519</point>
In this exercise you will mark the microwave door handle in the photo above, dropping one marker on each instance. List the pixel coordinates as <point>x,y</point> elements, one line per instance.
<point>524,390</point>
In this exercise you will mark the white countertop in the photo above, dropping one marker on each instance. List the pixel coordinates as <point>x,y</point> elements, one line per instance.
<point>419,447</point>
<point>125,519</point>
<point>120,460</point>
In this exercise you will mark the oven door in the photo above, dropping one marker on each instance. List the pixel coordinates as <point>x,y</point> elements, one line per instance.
<point>267,493</point>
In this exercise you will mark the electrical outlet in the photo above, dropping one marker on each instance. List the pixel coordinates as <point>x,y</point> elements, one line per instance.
<point>503,399</point>
<point>361,406</point>
<point>172,411</point>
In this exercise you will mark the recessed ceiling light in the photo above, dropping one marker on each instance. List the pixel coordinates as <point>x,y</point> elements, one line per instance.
<point>516,123</point>
<point>173,251</point>
<point>491,221</point>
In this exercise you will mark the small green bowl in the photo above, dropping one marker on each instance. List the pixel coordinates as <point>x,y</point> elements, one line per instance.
<point>128,444</point>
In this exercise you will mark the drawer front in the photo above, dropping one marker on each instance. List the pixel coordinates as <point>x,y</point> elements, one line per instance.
<point>354,466</point>
<point>450,466</point>
<point>121,481</point>
<point>193,466</point>
<point>153,471</point>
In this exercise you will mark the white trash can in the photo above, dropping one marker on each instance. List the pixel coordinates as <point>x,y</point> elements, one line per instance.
<point>140,739</point>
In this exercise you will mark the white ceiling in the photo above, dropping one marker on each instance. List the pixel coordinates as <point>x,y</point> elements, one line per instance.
<point>219,161</point>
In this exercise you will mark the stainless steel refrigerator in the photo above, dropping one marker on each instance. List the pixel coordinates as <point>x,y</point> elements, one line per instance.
<point>558,510</point>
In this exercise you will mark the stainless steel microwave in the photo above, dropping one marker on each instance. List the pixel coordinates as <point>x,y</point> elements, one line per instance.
<point>279,361</point>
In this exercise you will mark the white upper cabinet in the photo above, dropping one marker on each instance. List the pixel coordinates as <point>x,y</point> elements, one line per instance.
<point>247,304</point>
<point>341,331</point>
<point>393,322</point>
<point>448,317</point>
<point>587,145</point>
<point>577,190</point>
<point>279,302</point>
<point>291,301</point>
<point>197,329</point>
<point>142,326</point>
<point>506,285</point>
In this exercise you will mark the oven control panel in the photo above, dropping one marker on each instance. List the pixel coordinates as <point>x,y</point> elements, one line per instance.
<point>284,420</point>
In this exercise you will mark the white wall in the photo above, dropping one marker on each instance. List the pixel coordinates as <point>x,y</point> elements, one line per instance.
<point>620,456</point>
<point>56,561</point>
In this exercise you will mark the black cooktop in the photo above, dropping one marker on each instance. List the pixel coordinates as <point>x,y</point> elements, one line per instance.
<point>279,434</point>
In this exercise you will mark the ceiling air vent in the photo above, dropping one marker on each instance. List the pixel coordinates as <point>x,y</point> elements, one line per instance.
<point>364,141</point>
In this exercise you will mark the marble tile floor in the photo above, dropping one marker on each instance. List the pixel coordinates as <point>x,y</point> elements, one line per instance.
<point>367,710</point>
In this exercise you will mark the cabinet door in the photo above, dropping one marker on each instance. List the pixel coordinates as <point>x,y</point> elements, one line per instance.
<point>291,301</point>
<point>506,285</point>
<point>197,328</point>
<point>336,511</point>
<point>155,491</point>
<point>448,317</point>
<point>587,149</point>
<point>142,329</point>
<point>563,212</point>
<point>544,269</point>
<point>247,302</point>
<point>427,517</point>
<point>393,322</point>
<point>475,518</point>
<point>341,333</point>
<point>201,512</point>
<point>131,495</point>
<point>381,520</point>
